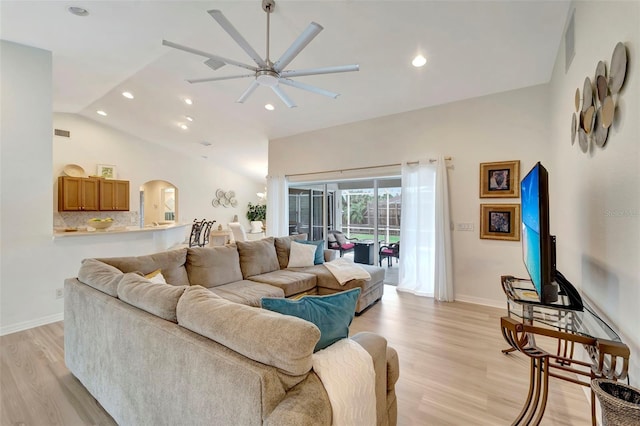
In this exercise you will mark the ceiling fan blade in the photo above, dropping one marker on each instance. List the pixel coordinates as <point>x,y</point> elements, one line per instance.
<point>283,96</point>
<point>237,37</point>
<point>303,39</point>
<point>308,87</point>
<point>248,92</point>
<point>229,77</point>
<point>324,70</point>
<point>208,55</point>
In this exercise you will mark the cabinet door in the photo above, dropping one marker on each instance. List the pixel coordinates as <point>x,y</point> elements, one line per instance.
<point>114,195</point>
<point>77,194</point>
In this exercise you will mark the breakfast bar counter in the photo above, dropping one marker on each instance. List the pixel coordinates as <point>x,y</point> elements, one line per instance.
<point>61,233</point>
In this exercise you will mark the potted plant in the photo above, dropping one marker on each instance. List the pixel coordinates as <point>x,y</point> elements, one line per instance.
<point>257,212</point>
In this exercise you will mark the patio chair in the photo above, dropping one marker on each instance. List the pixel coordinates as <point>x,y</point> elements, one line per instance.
<point>389,252</point>
<point>338,241</point>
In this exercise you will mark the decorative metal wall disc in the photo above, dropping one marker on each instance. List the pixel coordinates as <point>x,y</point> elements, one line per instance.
<point>601,69</point>
<point>587,94</point>
<point>618,68</point>
<point>599,131</point>
<point>608,108</point>
<point>574,128</point>
<point>577,99</point>
<point>602,88</point>
<point>583,140</point>
<point>588,119</point>
<point>581,121</point>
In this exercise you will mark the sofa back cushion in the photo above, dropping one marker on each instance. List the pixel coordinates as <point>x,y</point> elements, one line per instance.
<point>171,264</point>
<point>283,247</point>
<point>213,266</point>
<point>284,342</point>
<point>157,299</point>
<point>257,257</point>
<point>100,276</point>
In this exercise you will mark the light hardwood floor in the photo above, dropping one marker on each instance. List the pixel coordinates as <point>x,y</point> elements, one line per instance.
<point>451,370</point>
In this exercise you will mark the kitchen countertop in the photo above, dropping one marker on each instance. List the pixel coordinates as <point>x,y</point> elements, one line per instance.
<point>61,233</point>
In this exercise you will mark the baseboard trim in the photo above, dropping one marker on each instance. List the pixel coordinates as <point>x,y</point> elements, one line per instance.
<point>21,326</point>
<point>481,301</point>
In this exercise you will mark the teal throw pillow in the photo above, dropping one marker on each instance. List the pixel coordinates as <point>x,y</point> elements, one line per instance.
<point>332,314</point>
<point>319,259</point>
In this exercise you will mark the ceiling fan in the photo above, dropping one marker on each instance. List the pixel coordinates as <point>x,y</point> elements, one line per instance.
<point>266,73</point>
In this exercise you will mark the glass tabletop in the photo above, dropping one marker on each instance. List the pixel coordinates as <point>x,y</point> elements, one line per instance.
<point>524,303</point>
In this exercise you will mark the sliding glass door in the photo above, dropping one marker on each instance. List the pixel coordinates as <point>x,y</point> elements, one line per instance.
<point>367,209</point>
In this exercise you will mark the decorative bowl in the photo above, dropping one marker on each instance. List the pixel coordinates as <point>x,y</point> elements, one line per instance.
<point>100,224</point>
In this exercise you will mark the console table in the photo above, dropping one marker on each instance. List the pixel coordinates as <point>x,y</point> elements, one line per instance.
<point>569,322</point>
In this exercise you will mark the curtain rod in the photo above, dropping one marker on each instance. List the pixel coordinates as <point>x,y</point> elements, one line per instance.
<point>431,160</point>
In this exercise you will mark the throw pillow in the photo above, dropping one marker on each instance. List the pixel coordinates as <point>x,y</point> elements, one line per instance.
<point>257,257</point>
<point>301,255</point>
<point>319,259</point>
<point>332,314</point>
<point>156,277</point>
<point>340,238</point>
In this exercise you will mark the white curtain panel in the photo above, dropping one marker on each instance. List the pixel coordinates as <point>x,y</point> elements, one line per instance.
<point>277,206</point>
<point>425,251</point>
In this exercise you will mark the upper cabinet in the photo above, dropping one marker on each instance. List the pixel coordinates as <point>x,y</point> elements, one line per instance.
<point>92,194</point>
<point>78,194</point>
<point>114,195</point>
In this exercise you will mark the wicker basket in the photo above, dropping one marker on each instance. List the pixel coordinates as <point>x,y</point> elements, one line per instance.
<point>620,403</point>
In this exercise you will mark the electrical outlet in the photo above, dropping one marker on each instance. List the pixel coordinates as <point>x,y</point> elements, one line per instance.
<point>59,293</point>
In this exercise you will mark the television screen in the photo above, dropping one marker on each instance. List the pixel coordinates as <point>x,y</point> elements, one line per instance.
<point>537,243</point>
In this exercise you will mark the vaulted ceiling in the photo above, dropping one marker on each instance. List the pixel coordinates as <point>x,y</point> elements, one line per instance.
<point>473,48</point>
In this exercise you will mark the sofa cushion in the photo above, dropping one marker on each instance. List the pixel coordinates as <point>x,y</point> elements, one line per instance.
<point>213,266</point>
<point>331,314</point>
<point>257,257</point>
<point>301,255</point>
<point>283,246</point>
<point>171,263</point>
<point>100,276</point>
<point>157,299</point>
<point>247,292</point>
<point>278,340</point>
<point>292,282</point>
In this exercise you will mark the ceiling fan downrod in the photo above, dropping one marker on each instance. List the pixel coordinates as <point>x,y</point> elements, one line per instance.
<point>268,6</point>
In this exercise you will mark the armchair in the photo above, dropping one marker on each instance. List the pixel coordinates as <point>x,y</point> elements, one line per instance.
<point>389,251</point>
<point>338,241</point>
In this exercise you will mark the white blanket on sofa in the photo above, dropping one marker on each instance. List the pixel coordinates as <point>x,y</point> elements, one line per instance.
<point>345,270</point>
<point>346,371</point>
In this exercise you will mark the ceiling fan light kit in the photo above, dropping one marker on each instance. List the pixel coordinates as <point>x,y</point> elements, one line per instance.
<point>266,73</point>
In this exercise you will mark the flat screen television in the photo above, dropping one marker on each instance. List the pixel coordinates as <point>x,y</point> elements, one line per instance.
<point>538,245</point>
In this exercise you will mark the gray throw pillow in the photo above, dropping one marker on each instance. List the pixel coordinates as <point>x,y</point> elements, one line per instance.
<point>213,266</point>
<point>257,257</point>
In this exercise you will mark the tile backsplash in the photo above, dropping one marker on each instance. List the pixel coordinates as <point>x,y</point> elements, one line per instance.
<point>76,219</point>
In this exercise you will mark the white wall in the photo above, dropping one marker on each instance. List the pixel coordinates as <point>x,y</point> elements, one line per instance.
<point>507,126</point>
<point>596,196</point>
<point>32,264</point>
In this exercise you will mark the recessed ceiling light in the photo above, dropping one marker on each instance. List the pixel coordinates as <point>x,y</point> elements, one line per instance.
<point>205,157</point>
<point>189,118</point>
<point>419,61</point>
<point>184,126</point>
<point>188,101</point>
<point>269,107</point>
<point>78,11</point>
<point>127,95</point>
<point>101,112</point>
<point>205,143</point>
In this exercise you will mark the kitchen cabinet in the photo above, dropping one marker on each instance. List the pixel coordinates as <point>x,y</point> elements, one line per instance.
<point>78,194</point>
<point>114,195</point>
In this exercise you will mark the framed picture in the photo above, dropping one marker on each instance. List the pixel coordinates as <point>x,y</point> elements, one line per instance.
<point>106,171</point>
<point>500,180</point>
<point>500,222</point>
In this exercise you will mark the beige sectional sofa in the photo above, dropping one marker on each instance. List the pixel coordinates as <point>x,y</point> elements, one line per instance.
<point>199,351</point>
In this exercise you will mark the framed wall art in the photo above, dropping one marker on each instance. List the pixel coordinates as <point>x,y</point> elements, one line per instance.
<point>500,222</point>
<point>106,171</point>
<point>500,179</point>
